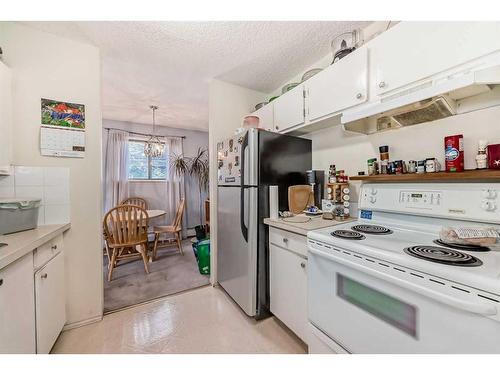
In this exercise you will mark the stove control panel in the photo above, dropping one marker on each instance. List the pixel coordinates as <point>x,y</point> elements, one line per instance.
<point>460,201</point>
<point>420,199</point>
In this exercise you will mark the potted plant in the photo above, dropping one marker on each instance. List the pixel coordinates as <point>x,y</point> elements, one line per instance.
<point>196,166</point>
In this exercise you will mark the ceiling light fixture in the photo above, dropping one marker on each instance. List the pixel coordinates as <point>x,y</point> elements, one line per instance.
<point>154,147</point>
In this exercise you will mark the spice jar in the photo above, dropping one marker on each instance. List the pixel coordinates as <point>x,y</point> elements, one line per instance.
<point>398,167</point>
<point>331,174</point>
<point>481,158</point>
<point>431,165</point>
<point>384,159</point>
<point>421,166</point>
<point>372,167</point>
<point>412,166</point>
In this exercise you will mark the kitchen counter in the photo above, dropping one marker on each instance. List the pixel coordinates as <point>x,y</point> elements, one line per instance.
<point>303,228</point>
<point>21,243</point>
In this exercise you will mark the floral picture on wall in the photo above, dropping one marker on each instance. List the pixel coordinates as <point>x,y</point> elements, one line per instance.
<point>67,115</point>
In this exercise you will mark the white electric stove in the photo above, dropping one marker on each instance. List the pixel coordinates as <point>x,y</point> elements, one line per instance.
<point>385,284</point>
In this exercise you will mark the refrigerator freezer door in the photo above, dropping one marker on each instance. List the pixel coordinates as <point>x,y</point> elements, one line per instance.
<point>250,158</point>
<point>236,256</point>
<point>237,156</point>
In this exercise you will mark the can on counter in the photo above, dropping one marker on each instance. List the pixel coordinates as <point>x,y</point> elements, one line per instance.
<point>454,153</point>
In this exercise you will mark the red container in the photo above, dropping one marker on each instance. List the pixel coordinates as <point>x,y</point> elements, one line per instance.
<point>454,153</point>
<point>494,156</point>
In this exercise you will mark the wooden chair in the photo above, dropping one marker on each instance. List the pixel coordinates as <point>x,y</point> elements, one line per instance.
<point>174,229</point>
<point>125,229</point>
<point>135,201</point>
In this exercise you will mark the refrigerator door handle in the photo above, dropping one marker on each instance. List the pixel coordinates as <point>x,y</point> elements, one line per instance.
<point>244,228</point>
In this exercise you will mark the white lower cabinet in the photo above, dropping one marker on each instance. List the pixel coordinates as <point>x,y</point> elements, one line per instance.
<point>17,307</point>
<point>50,303</point>
<point>288,289</point>
<point>32,300</point>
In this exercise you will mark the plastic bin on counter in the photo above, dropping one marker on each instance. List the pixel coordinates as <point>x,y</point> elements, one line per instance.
<point>18,214</point>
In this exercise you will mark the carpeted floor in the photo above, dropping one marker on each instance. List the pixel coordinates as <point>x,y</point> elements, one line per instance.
<point>170,273</point>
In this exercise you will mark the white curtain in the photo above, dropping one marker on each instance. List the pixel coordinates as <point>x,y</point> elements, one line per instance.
<point>116,187</point>
<point>175,184</point>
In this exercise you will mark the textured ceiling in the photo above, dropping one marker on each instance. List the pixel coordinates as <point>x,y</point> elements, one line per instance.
<point>170,63</point>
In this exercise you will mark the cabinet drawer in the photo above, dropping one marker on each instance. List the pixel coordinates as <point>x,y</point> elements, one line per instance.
<point>47,251</point>
<point>288,240</point>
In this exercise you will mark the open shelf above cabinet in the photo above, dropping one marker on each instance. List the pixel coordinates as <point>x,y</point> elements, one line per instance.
<point>468,175</point>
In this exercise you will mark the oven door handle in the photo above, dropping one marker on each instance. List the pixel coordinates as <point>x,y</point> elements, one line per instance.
<point>476,308</point>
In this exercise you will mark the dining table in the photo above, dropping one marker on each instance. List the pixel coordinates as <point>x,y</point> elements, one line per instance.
<point>155,213</point>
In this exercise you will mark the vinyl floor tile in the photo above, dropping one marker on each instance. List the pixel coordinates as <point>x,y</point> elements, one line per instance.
<point>203,320</point>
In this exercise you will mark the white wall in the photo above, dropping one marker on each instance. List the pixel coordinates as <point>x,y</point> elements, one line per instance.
<point>350,151</point>
<point>47,66</point>
<point>155,192</point>
<point>228,104</point>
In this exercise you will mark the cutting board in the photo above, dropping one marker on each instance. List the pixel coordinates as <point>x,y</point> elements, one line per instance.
<point>299,198</point>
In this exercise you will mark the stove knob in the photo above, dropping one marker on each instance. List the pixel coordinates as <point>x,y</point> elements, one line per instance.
<point>373,199</point>
<point>488,206</point>
<point>489,194</point>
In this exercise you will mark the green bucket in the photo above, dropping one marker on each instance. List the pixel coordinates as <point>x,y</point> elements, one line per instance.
<point>203,252</point>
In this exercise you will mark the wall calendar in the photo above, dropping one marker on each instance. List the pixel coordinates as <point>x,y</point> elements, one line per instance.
<point>62,131</point>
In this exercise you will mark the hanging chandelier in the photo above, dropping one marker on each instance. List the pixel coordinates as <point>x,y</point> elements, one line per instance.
<point>154,147</point>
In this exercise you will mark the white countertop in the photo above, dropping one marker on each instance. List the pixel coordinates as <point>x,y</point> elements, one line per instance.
<point>303,228</point>
<point>21,243</point>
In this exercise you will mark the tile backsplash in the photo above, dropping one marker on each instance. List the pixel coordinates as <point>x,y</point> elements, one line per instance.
<point>51,184</point>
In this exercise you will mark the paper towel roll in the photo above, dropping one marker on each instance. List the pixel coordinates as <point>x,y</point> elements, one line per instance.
<point>273,202</point>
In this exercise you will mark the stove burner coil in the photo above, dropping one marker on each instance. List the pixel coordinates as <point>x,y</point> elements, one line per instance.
<point>463,247</point>
<point>347,234</point>
<point>371,229</point>
<point>442,255</point>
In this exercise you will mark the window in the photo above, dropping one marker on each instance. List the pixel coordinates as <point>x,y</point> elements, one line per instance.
<point>142,167</point>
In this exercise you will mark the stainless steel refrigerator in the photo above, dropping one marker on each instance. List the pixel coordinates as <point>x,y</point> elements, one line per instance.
<point>248,164</point>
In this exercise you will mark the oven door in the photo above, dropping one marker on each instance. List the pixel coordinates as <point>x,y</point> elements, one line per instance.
<point>366,309</point>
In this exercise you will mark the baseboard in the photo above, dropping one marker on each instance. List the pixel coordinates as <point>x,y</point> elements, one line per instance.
<point>82,323</point>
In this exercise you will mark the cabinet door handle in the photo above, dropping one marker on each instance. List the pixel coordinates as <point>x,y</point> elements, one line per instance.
<point>54,247</point>
<point>44,276</point>
<point>285,240</point>
<point>303,265</point>
<point>277,128</point>
<point>359,95</point>
<point>381,84</point>
<point>1,282</point>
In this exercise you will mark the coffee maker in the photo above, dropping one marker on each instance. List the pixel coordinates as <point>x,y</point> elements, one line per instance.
<point>316,179</point>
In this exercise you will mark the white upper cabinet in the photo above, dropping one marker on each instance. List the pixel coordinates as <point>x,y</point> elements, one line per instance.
<point>5,119</point>
<point>266,116</point>
<point>413,51</point>
<point>340,86</point>
<point>289,109</point>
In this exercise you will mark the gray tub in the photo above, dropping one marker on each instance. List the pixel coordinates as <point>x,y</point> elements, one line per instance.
<point>18,214</point>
